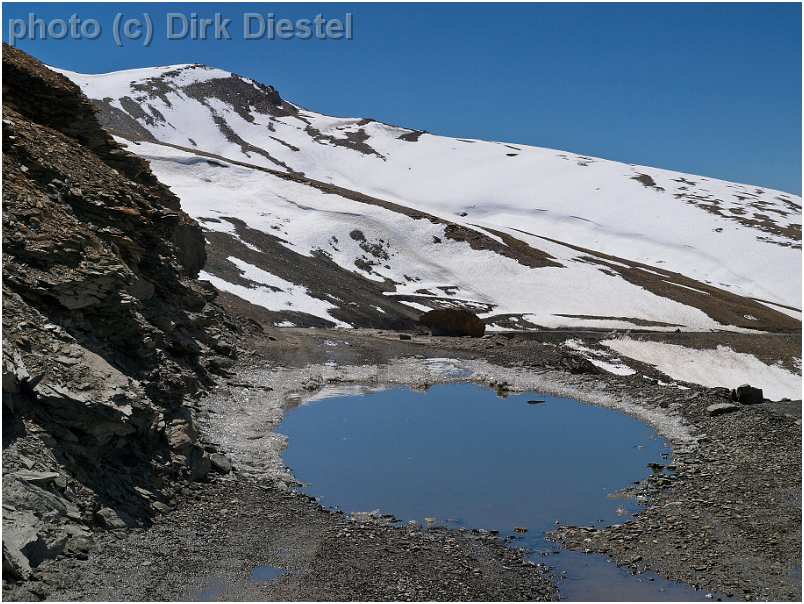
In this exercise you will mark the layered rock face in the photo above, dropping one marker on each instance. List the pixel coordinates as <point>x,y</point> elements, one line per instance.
<point>106,331</point>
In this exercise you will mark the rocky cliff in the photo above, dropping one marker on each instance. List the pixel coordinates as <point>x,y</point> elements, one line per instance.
<point>107,333</point>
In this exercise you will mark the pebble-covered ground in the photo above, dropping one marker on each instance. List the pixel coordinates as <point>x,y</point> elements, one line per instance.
<point>210,544</point>
<point>724,514</point>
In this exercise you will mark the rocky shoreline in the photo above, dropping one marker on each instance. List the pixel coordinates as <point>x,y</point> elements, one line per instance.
<point>724,515</point>
<point>721,516</point>
<point>221,531</point>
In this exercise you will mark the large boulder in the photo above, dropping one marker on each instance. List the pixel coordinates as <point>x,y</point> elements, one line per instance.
<point>747,395</point>
<point>453,322</point>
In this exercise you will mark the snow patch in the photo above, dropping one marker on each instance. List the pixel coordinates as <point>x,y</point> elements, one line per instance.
<point>600,358</point>
<point>273,293</point>
<point>720,367</point>
<point>690,227</point>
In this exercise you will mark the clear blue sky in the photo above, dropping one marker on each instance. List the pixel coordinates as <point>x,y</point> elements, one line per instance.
<point>712,89</point>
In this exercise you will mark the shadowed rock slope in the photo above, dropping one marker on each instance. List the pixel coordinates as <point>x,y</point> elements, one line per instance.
<point>106,331</point>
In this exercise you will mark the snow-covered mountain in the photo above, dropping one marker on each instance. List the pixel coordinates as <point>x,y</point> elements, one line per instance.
<point>317,220</point>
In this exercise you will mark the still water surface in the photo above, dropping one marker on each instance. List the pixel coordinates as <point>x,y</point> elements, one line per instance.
<point>460,456</point>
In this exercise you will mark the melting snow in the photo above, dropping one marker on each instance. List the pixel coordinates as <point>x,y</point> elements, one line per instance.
<point>711,367</point>
<point>273,293</point>
<point>544,191</point>
<point>310,219</point>
<point>600,358</point>
<point>598,204</point>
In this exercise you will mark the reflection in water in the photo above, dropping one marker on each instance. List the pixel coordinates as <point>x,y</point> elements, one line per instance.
<point>266,573</point>
<point>457,455</point>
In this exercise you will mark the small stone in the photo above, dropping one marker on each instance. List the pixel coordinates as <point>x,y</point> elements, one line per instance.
<point>79,544</point>
<point>109,518</point>
<point>221,463</point>
<point>160,507</point>
<point>40,479</point>
<point>721,408</point>
<point>65,360</point>
<point>220,363</point>
<point>144,493</point>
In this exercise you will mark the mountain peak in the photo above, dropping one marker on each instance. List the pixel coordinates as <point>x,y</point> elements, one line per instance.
<point>132,81</point>
<point>508,230</point>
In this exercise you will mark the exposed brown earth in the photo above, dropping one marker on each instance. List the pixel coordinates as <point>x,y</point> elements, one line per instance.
<point>719,304</point>
<point>356,298</point>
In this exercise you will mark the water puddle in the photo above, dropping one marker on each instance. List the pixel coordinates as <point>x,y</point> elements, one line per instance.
<point>458,455</point>
<point>222,588</point>
<point>264,574</point>
<point>214,590</point>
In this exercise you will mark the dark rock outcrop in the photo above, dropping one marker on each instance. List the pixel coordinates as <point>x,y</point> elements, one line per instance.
<point>106,331</point>
<point>747,395</point>
<point>578,364</point>
<point>453,322</point>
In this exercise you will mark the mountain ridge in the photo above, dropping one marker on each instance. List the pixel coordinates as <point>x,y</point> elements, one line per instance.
<point>739,240</point>
<point>149,71</point>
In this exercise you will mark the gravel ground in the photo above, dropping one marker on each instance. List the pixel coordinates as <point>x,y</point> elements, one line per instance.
<point>209,545</point>
<point>725,515</point>
<point>730,519</point>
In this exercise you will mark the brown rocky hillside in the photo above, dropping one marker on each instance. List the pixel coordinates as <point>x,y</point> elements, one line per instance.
<point>106,332</point>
